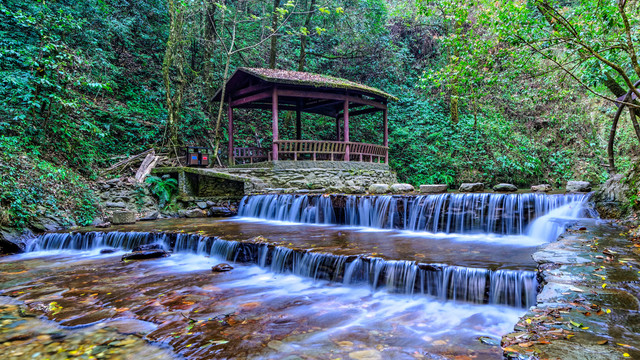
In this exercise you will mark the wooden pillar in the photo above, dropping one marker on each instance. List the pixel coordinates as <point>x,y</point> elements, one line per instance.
<point>346,130</point>
<point>230,131</point>
<point>386,134</point>
<point>274,110</point>
<point>299,121</point>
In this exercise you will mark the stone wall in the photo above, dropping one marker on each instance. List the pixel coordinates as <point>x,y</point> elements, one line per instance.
<point>332,176</point>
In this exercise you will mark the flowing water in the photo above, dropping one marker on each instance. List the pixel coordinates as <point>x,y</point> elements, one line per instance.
<point>316,277</point>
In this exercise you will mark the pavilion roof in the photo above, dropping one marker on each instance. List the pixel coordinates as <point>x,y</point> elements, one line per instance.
<point>304,79</point>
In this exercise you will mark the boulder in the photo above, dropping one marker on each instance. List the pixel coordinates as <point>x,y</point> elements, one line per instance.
<point>195,213</point>
<point>221,268</point>
<point>202,204</point>
<point>210,203</point>
<point>434,189</point>
<point>146,247</point>
<point>471,187</point>
<point>379,188</point>
<point>145,254</point>
<point>117,205</point>
<point>402,188</point>
<point>220,211</point>
<point>10,243</point>
<point>505,188</point>
<point>578,186</point>
<point>150,216</point>
<point>541,188</point>
<point>123,217</point>
<point>103,225</point>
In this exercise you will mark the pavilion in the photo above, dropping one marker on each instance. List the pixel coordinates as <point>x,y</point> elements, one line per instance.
<point>255,88</point>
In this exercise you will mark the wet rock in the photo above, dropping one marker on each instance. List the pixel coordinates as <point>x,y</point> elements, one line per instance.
<point>195,213</point>
<point>10,243</point>
<point>117,205</point>
<point>220,211</point>
<point>541,188</point>
<point>107,251</point>
<point>402,188</point>
<point>201,204</point>
<point>578,186</point>
<point>145,254</point>
<point>221,268</point>
<point>434,189</point>
<point>151,216</point>
<point>505,188</point>
<point>379,188</point>
<point>210,203</point>
<point>471,187</point>
<point>103,225</point>
<point>146,247</point>
<point>123,217</point>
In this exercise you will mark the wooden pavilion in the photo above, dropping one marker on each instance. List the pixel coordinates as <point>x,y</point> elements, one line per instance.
<point>255,88</point>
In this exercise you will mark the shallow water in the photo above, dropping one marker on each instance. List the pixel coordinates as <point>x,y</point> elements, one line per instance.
<point>246,313</point>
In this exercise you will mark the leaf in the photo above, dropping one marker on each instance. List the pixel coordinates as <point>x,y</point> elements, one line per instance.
<point>602,342</point>
<point>575,323</point>
<point>219,342</point>
<point>526,344</point>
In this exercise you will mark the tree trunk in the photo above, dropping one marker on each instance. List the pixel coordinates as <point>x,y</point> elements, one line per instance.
<point>634,122</point>
<point>612,136</point>
<point>303,38</point>
<point>274,38</point>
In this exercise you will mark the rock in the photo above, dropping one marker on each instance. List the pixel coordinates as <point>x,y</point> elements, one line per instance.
<point>210,203</point>
<point>541,188</point>
<point>146,254</point>
<point>202,204</point>
<point>434,189</point>
<point>107,251</point>
<point>365,355</point>
<point>148,247</point>
<point>505,188</point>
<point>356,190</point>
<point>103,225</point>
<point>112,204</point>
<point>151,216</point>
<point>379,188</point>
<point>402,188</point>
<point>220,211</point>
<point>578,186</point>
<point>611,199</point>
<point>195,213</point>
<point>113,181</point>
<point>222,268</point>
<point>10,244</point>
<point>123,217</point>
<point>471,187</point>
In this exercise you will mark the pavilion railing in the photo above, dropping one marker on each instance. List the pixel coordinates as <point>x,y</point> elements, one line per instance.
<point>250,154</point>
<point>330,150</point>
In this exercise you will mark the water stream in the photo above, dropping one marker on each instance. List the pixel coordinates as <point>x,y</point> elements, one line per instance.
<point>315,276</point>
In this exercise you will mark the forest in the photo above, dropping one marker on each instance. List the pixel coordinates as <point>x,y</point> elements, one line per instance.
<point>518,91</point>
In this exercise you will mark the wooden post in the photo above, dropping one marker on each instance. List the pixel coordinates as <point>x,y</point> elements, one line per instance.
<point>346,130</point>
<point>386,135</point>
<point>274,110</point>
<point>299,121</point>
<point>230,131</point>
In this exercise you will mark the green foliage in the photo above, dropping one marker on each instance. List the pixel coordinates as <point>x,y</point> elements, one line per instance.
<point>164,189</point>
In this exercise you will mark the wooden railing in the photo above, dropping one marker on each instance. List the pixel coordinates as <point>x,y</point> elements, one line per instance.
<point>330,150</point>
<point>250,154</point>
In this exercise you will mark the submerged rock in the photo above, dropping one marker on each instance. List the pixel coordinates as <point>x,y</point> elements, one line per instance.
<point>221,268</point>
<point>578,186</point>
<point>541,188</point>
<point>148,247</point>
<point>471,187</point>
<point>145,254</point>
<point>505,188</point>
<point>434,189</point>
<point>402,188</point>
<point>107,251</point>
<point>379,188</point>
<point>123,217</point>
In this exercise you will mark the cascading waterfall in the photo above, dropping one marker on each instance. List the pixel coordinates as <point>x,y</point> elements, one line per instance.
<point>507,214</point>
<point>507,287</point>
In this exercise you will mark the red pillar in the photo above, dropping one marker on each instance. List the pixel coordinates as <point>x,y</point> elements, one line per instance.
<point>386,134</point>
<point>230,131</point>
<point>274,110</point>
<point>346,130</point>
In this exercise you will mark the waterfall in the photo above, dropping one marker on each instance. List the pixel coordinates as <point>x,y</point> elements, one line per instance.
<point>507,287</point>
<point>506,214</point>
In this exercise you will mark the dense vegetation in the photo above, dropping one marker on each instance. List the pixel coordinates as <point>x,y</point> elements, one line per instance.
<point>513,91</point>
